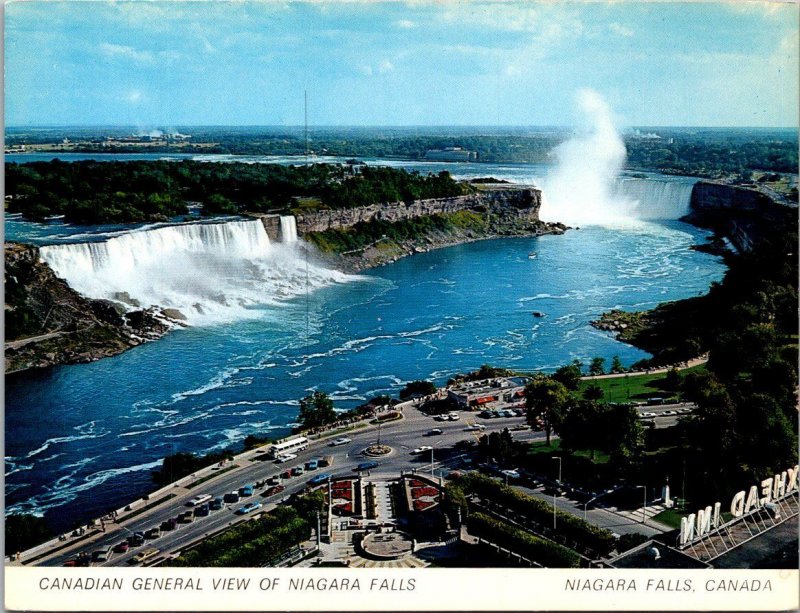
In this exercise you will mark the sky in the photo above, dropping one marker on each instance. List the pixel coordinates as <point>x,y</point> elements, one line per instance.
<point>176,63</point>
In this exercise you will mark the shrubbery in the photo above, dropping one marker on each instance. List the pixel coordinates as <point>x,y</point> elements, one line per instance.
<point>573,528</point>
<point>528,546</point>
<point>251,543</point>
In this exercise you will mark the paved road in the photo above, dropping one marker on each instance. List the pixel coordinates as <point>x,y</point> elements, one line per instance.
<point>403,436</point>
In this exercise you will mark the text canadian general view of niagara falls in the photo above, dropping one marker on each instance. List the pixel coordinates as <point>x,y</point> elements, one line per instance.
<point>384,305</point>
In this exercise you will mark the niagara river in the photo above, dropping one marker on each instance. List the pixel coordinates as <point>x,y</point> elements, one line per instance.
<point>258,341</point>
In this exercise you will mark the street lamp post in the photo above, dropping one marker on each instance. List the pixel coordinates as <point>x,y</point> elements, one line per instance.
<point>555,457</point>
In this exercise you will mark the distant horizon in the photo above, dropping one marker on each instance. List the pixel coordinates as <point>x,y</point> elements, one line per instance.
<point>162,126</point>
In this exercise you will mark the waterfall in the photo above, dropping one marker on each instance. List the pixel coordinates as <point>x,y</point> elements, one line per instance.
<point>210,272</point>
<point>656,198</point>
<point>288,229</point>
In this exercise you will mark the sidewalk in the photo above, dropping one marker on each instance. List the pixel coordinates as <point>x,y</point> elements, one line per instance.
<point>651,371</point>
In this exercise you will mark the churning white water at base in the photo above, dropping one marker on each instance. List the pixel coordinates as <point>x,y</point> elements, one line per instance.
<point>288,229</point>
<point>210,272</point>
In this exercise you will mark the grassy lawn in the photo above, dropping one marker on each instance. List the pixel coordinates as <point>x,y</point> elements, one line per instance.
<point>542,448</point>
<point>634,387</point>
<point>671,517</point>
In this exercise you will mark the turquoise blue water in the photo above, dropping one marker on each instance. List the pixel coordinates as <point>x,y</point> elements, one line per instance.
<point>428,316</point>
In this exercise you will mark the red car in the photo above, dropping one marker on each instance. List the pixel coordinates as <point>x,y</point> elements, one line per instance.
<point>275,489</point>
<point>121,547</point>
<point>286,474</point>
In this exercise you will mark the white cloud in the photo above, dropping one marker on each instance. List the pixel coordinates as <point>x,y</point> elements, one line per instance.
<point>405,24</point>
<point>134,96</point>
<point>123,51</point>
<point>385,66</point>
<point>618,28</point>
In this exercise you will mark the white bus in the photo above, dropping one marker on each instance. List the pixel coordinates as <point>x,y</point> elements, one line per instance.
<point>290,446</point>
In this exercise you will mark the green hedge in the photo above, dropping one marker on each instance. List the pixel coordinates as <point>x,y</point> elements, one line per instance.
<point>546,553</point>
<point>585,534</point>
<point>252,543</point>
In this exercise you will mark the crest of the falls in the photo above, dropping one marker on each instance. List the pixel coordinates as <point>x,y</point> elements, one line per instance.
<point>210,272</point>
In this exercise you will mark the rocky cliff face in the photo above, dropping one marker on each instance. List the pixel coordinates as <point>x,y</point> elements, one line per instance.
<point>47,322</point>
<point>743,214</point>
<point>521,203</point>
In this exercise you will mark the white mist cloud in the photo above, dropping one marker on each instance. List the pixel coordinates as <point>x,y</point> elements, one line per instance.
<point>580,189</point>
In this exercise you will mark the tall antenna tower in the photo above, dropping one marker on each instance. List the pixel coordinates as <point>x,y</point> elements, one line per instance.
<point>305,97</point>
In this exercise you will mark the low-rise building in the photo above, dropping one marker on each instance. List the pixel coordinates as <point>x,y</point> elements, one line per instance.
<point>473,394</point>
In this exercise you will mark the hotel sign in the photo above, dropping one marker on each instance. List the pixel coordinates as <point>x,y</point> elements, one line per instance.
<point>705,520</point>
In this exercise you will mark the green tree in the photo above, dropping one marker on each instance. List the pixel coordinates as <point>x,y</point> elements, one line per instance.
<point>672,380</point>
<point>316,410</point>
<point>580,427</point>
<point>417,388</point>
<point>569,376</point>
<point>593,392</point>
<point>616,365</point>
<point>597,367</point>
<point>546,399</point>
<point>24,531</point>
<point>498,446</point>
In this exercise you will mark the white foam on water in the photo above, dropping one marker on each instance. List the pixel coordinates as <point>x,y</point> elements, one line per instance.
<point>210,272</point>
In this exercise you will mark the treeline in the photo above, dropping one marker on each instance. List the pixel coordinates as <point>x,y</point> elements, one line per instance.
<point>698,151</point>
<point>89,192</point>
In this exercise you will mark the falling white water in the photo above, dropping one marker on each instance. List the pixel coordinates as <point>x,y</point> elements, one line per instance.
<point>210,272</point>
<point>288,229</point>
<point>580,189</point>
<point>656,197</point>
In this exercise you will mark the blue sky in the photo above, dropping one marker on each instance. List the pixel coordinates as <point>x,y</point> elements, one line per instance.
<point>176,63</point>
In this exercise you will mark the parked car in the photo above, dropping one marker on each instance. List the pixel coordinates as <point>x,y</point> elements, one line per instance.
<point>453,416</point>
<point>248,508</point>
<point>475,427</point>
<point>231,497</point>
<point>136,539</point>
<point>217,503</point>
<point>272,491</point>
<point>339,441</point>
<point>246,491</point>
<point>325,461</point>
<point>122,547</point>
<point>312,465</point>
<point>199,499</point>
<point>286,474</point>
<point>143,555</point>
<point>422,449</point>
<point>101,555</point>
<point>435,432</point>
<point>519,427</point>
<point>511,473</point>
<point>169,524</point>
<point>154,533</point>
<point>285,457</point>
<point>366,465</point>
<point>317,479</point>
<point>186,518</point>
<point>297,471</point>
<point>202,510</point>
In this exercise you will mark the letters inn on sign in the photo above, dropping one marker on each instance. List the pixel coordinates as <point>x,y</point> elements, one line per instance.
<point>763,495</point>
